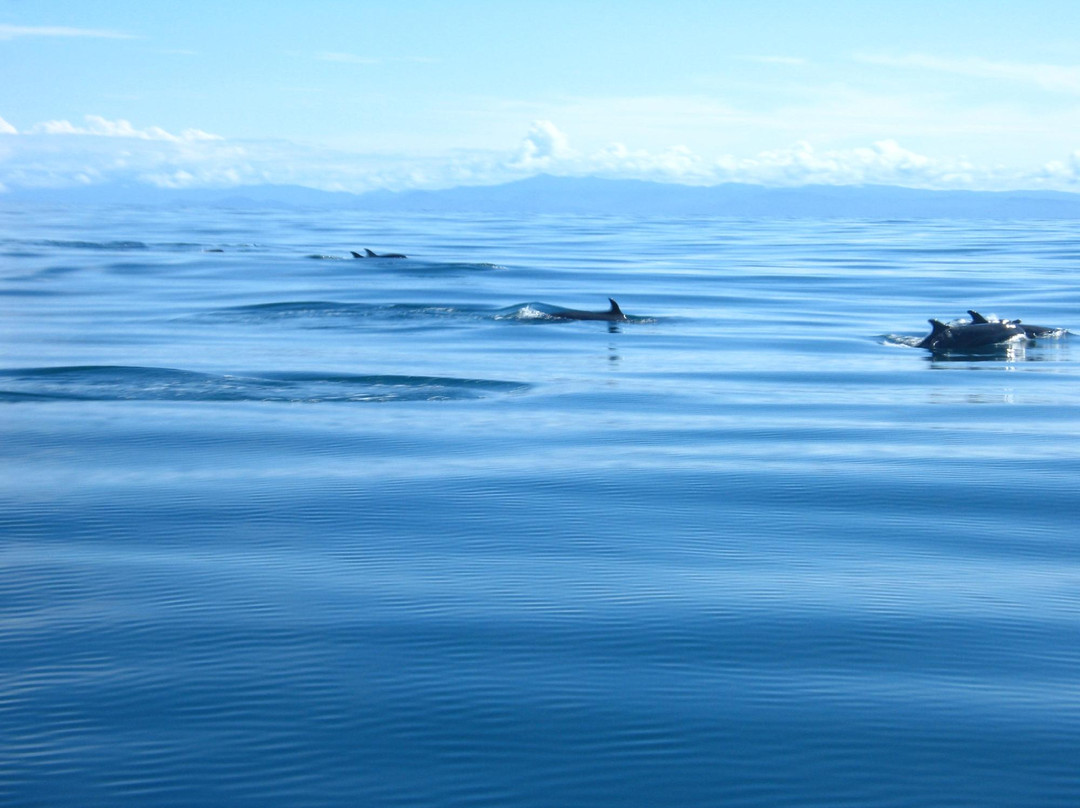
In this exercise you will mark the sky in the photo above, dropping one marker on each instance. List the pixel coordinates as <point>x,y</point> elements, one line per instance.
<point>402,94</point>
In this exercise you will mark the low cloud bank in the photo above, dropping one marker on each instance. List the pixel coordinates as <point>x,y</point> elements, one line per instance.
<point>59,153</point>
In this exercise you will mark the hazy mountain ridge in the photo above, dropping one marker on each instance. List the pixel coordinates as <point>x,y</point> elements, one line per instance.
<point>595,196</point>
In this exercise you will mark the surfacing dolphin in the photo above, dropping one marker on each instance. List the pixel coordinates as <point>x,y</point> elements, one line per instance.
<point>369,254</point>
<point>969,336</point>
<point>1030,331</point>
<point>614,314</point>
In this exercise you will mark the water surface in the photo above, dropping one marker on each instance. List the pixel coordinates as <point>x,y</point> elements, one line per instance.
<point>284,528</point>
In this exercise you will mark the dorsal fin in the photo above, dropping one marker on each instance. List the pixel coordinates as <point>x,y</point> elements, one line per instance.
<point>936,327</point>
<point>615,308</point>
<point>976,317</point>
<point>355,254</point>
<point>369,253</point>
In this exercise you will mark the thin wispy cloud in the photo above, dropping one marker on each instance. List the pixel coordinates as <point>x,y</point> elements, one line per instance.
<point>16,31</point>
<point>1058,78</point>
<point>98,126</point>
<point>7,129</point>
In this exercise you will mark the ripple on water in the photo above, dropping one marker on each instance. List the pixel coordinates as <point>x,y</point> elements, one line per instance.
<point>121,383</point>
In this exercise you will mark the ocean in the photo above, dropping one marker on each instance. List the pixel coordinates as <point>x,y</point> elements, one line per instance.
<point>280,527</point>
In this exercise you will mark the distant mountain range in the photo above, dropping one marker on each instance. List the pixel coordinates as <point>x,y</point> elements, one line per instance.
<point>594,196</point>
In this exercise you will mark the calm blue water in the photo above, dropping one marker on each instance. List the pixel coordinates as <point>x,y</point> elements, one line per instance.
<point>282,528</point>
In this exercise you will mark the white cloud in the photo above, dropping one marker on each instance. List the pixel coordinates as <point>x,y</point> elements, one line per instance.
<point>58,153</point>
<point>1059,78</point>
<point>7,129</point>
<point>1062,173</point>
<point>102,127</point>
<point>674,164</point>
<point>545,148</point>
<point>885,162</point>
<point>542,146</point>
<point>212,175</point>
<point>14,31</point>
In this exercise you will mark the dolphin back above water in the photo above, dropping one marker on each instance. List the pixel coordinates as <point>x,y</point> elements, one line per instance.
<point>1030,331</point>
<point>369,254</point>
<point>613,314</point>
<point>969,336</point>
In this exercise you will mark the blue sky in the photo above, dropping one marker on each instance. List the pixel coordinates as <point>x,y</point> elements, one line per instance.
<point>405,93</point>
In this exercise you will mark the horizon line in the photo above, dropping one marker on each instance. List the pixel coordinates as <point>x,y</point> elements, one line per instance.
<point>139,185</point>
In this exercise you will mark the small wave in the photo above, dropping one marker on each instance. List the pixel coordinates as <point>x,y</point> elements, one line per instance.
<point>1014,350</point>
<point>414,266</point>
<point>525,312</point>
<point>94,245</point>
<point>126,245</point>
<point>127,383</point>
<point>184,246</point>
<point>901,340</point>
<point>30,292</point>
<point>331,314</point>
<point>288,309</point>
<point>482,266</point>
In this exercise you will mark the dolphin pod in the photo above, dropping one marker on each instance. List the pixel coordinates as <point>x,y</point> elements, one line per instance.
<point>981,332</point>
<point>369,254</point>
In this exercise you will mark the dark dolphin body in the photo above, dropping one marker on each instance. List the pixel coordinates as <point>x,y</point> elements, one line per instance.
<point>612,314</point>
<point>1030,331</point>
<point>969,336</point>
<point>369,254</point>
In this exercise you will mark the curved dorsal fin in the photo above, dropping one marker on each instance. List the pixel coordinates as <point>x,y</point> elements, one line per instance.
<point>937,327</point>
<point>615,307</point>
<point>369,253</point>
<point>355,254</point>
<point>976,317</point>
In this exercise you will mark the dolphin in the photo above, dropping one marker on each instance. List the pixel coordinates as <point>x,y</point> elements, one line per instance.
<point>612,314</point>
<point>969,336</point>
<point>1030,331</point>
<point>369,254</point>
